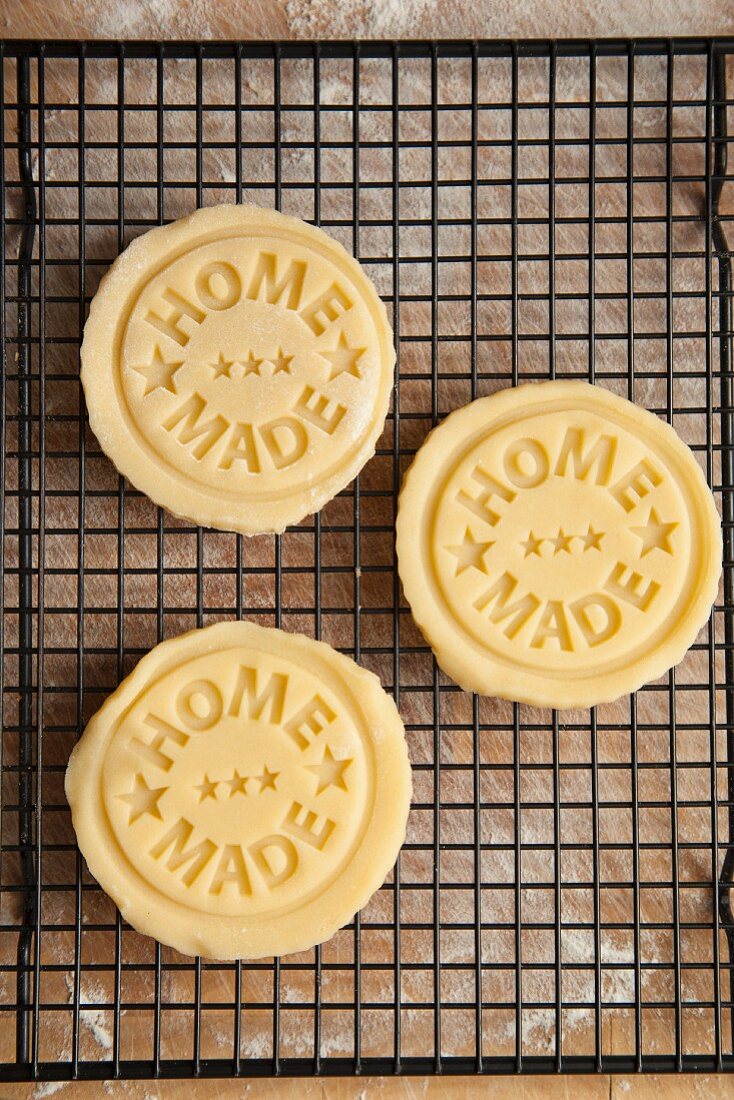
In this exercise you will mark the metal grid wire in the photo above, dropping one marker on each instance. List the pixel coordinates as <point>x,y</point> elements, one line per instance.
<point>527,211</point>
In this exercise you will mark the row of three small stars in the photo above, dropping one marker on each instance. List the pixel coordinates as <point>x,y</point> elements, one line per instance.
<point>562,542</point>
<point>231,368</point>
<point>237,784</point>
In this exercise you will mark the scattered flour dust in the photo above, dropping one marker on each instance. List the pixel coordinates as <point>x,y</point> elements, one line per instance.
<point>494,18</point>
<point>538,1025</point>
<point>136,18</point>
<point>618,985</point>
<point>116,1088</point>
<point>359,18</point>
<point>48,1088</point>
<point>94,1020</point>
<point>412,1088</point>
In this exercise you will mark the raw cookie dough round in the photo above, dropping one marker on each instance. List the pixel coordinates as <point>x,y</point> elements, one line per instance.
<point>243,793</point>
<point>237,366</point>
<point>557,545</point>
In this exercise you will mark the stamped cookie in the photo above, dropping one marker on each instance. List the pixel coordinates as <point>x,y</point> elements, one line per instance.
<point>237,367</point>
<point>243,793</point>
<point>557,545</point>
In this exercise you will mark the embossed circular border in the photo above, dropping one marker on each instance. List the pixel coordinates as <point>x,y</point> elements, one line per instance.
<point>600,669</point>
<point>347,700</point>
<point>181,476</point>
<point>515,679</point>
<point>107,325</point>
<point>193,930</point>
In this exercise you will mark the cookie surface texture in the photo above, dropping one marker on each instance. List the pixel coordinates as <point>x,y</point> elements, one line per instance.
<point>558,545</point>
<point>237,366</point>
<point>243,793</point>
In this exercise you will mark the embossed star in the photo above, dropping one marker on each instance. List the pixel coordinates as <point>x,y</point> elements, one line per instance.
<point>251,365</point>
<point>143,799</point>
<point>343,359</point>
<point>158,374</point>
<point>237,784</point>
<point>208,789</point>
<point>531,545</point>
<point>592,539</point>
<point>267,780</point>
<point>223,367</point>
<point>469,553</point>
<point>330,772</point>
<point>281,363</point>
<point>655,535</point>
<point>561,543</point>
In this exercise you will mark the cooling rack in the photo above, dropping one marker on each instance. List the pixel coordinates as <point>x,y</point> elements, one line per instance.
<point>527,210</point>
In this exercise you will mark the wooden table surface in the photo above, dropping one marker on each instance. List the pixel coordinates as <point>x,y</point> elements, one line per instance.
<point>226,19</point>
<point>375,1088</point>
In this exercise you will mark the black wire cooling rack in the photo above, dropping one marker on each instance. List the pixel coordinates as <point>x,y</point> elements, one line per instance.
<point>528,210</point>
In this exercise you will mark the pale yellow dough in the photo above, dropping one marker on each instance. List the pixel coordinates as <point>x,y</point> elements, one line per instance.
<point>243,793</point>
<point>237,366</point>
<point>557,545</point>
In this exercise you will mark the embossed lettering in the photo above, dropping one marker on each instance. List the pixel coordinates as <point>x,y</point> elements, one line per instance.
<point>479,505</point>
<point>596,633</point>
<point>170,325</point>
<point>231,869</point>
<point>152,749</point>
<point>210,278</point>
<point>315,410</point>
<point>601,454</point>
<point>241,447</point>
<point>176,839</point>
<point>264,279</point>
<point>285,439</point>
<point>287,849</point>
<point>638,481</point>
<point>272,696</point>
<point>299,822</point>
<point>552,624</point>
<point>518,612</point>
<point>186,419</point>
<point>199,705</point>
<point>309,721</point>
<point>630,589</point>
<point>325,309</point>
<point>515,463</point>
